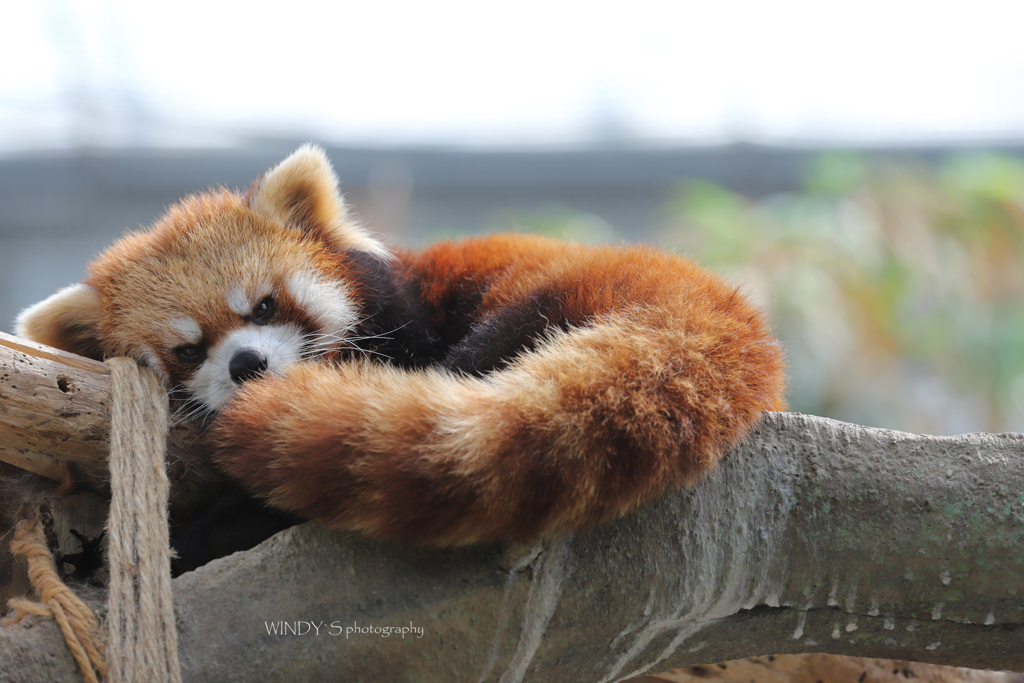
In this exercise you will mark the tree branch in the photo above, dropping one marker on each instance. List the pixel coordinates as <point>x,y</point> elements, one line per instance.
<point>812,536</point>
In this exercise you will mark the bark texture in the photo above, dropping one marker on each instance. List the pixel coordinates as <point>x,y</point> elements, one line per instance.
<point>55,421</point>
<point>812,536</point>
<point>54,411</point>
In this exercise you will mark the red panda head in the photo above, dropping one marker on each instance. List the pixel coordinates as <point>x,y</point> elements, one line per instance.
<point>222,288</point>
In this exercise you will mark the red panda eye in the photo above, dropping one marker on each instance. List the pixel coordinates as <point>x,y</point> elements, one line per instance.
<point>264,310</point>
<point>190,353</point>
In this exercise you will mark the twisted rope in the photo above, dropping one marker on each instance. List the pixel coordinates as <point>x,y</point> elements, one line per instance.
<point>142,638</point>
<point>79,625</point>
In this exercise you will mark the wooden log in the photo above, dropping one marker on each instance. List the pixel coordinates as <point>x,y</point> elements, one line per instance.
<point>54,412</point>
<point>55,421</point>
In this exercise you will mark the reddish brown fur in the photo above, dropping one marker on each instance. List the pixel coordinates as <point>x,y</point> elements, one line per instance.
<point>152,277</point>
<point>671,369</point>
<point>564,385</point>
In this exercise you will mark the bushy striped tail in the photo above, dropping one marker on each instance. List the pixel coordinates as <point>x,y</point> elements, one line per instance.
<point>593,423</point>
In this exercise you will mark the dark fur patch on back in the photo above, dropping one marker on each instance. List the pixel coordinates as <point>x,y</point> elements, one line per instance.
<point>505,333</point>
<point>393,323</point>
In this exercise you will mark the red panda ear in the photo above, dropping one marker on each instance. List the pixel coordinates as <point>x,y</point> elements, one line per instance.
<point>302,191</point>
<point>68,320</point>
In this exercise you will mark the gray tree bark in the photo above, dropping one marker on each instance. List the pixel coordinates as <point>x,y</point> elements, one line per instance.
<point>812,536</point>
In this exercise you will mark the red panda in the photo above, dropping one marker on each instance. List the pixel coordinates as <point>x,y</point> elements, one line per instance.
<point>508,387</point>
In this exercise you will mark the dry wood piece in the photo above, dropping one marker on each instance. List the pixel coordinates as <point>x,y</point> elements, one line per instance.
<point>55,421</point>
<point>54,412</point>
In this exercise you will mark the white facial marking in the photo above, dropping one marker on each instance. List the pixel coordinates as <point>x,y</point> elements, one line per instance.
<point>239,301</point>
<point>281,345</point>
<point>188,329</point>
<point>326,300</point>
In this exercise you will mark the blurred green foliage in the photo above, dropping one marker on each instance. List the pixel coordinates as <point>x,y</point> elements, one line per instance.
<point>896,287</point>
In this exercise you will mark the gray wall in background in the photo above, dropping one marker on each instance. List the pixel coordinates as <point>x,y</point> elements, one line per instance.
<point>57,210</point>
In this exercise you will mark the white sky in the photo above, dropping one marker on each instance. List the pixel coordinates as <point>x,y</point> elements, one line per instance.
<point>508,73</point>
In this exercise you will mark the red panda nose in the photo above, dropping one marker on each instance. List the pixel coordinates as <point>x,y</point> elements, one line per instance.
<point>246,364</point>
